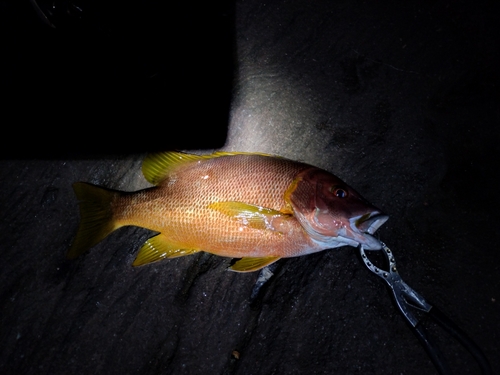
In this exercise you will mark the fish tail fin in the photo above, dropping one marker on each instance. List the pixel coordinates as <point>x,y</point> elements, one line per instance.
<point>96,217</point>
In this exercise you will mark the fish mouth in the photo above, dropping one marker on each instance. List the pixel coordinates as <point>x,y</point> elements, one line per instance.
<point>369,223</point>
<point>364,226</point>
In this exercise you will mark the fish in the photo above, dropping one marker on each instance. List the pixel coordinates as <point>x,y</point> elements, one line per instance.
<point>257,208</point>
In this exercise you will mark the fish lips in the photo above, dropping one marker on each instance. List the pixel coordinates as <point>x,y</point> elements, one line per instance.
<point>364,226</point>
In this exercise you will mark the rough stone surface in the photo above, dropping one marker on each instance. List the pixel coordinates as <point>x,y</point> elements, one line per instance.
<point>399,99</point>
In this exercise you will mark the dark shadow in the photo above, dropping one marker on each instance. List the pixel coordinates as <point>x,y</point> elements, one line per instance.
<point>85,78</point>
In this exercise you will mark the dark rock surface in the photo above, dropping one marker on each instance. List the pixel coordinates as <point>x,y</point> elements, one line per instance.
<point>399,100</point>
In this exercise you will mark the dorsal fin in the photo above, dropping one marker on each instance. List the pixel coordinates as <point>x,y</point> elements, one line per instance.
<point>232,153</point>
<point>158,165</point>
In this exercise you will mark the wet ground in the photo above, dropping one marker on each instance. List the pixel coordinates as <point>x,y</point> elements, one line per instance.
<point>400,101</point>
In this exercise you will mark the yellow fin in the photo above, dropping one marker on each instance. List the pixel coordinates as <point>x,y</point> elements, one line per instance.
<point>252,264</point>
<point>158,248</point>
<point>232,153</point>
<point>250,215</point>
<point>158,165</point>
<point>96,217</point>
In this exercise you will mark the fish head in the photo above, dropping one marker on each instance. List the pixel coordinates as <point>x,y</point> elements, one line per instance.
<point>332,212</point>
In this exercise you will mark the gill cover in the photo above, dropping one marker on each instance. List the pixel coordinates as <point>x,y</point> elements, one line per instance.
<point>332,212</point>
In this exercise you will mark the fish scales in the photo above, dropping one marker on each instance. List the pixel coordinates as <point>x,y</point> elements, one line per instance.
<point>179,206</point>
<point>252,206</point>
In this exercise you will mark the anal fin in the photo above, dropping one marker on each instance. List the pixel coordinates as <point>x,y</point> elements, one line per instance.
<point>252,264</point>
<point>157,248</point>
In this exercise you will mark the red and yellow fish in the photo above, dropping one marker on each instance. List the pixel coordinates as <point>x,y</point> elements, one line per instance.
<point>252,206</point>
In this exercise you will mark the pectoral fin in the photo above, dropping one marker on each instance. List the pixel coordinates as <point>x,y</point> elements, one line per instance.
<point>158,248</point>
<point>256,217</point>
<point>252,264</point>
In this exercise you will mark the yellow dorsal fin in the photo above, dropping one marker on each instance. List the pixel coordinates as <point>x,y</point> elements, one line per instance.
<point>158,165</point>
<point>158,248</point>
<point>232,153</point>
<point>250,215</point>
<point>252,264</point>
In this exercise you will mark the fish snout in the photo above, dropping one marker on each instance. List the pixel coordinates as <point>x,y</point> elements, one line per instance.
<point>367,225</point>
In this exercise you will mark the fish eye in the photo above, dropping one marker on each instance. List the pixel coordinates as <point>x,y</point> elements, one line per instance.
<point>338,191</point>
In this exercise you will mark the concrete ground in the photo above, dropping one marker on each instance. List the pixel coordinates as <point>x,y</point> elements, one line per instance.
<point>399,99</point>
